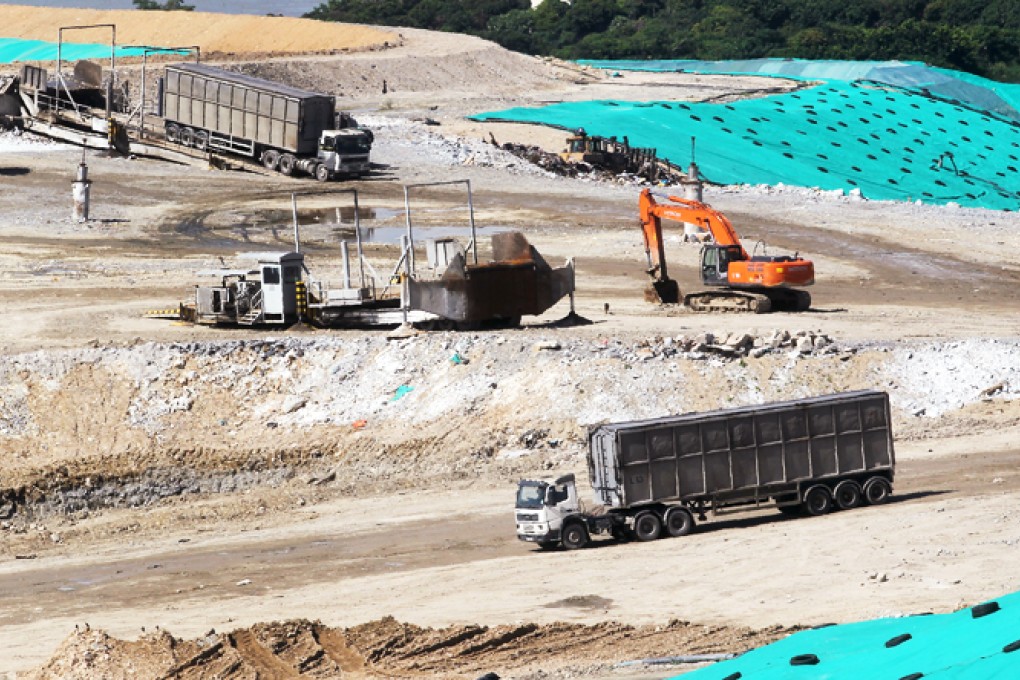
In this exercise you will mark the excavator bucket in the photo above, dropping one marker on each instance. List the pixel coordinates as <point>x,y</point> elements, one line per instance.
<point>666,292</point>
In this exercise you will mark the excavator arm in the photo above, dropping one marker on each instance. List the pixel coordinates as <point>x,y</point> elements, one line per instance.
<point>686,210</point>
<point>663,287</point>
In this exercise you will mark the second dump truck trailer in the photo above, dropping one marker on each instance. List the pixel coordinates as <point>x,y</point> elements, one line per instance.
<point>651,477</point>
<point>284,128</point>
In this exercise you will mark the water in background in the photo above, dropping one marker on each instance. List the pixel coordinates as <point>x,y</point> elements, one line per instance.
<point>889,130</point>
<point>288,8</point>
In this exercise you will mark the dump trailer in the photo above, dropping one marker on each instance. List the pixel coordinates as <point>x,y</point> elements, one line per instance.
<point>652,477</point>
<point>286,129</point>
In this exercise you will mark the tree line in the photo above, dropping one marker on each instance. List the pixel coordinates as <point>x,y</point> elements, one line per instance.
<point>977,36</point>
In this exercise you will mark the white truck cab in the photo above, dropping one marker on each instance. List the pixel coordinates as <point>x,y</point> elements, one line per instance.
<point>542,507</point>
<point>344,152</point>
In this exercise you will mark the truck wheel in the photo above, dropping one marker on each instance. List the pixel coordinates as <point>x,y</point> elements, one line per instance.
<point>877,490</point>
<point>187,136</point>
<point>847,495</point>
<point>173,133</point>
<point>647,526</point>
<point>322,173</point>
<point>575,536</point>
<point>817,501</point>
<point>201,140</point>
<point>287,163</point>
<point>270,159</point>
<point>679,522</point>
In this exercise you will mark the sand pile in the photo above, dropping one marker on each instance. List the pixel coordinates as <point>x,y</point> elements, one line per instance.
<point>214,33</point>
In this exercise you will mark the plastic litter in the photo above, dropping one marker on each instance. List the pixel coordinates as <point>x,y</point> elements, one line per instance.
<point>402,392</point>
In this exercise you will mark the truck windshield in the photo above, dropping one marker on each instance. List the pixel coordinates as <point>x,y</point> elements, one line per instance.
<point>530,495</point>
<point>353,144</point>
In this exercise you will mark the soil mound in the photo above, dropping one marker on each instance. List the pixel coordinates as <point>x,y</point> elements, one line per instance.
<point>382,648</point>
<point>214,33</point>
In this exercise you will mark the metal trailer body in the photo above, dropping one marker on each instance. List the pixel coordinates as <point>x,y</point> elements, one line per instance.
<point>651,477</point>
<point>517,282</point>
<point>244,114</point>
<point>741,455</point>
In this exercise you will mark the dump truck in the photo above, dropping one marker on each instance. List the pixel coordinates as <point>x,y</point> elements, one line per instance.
<point>652,477</point>
<point>284,128</point>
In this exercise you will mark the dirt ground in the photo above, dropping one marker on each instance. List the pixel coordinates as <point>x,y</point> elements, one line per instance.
<point>197,501</point>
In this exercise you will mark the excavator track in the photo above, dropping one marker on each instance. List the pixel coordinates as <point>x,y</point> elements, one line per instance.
<point>728,301</point>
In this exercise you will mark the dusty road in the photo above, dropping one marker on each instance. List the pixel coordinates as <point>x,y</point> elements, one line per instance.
<point>452,558</point>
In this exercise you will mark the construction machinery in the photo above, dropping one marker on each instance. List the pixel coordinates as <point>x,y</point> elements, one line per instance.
<point>612,155</point>
<point>455,289</point>
<point>739,282</point>
<point>652,477</point>
<point>286,129</point>
<point>208,114</point>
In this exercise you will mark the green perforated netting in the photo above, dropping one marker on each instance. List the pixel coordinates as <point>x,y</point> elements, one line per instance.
<point>17,50</point>
<point>892,130</point>
<point>971,644</point>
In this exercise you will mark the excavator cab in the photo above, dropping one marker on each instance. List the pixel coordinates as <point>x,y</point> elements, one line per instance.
<point>715,263</point>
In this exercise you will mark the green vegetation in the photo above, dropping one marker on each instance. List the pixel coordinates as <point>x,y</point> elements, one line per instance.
<point>978,36</point>
<point>168,5</point>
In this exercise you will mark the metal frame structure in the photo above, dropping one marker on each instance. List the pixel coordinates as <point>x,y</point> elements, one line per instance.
<point>146,51</point>
<point>407,214</point>
<point>113,59</point>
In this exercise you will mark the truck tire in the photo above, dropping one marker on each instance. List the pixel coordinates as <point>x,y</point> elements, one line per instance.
<point>287,163</point>
<point>877,490</point>
<point>817,501</point>
<point>574,536</point>
<point>847,495</point>
<point>201,140</point>
<point>679,521</point>
<point>647,526</point>
<point>173,133</point>
<point>187,136</point>
<point>270,159</point>
<point>321,173</point>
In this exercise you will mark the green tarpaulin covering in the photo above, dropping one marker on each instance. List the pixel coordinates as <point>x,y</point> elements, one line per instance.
<point>980,643</point>
<point>17,50</point>
<point>892,131</point>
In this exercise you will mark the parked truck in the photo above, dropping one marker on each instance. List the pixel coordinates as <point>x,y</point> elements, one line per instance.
<point>286,129</point>
<point>652,477</point>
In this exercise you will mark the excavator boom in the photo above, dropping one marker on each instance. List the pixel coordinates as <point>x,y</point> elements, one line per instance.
<point>690,211</point>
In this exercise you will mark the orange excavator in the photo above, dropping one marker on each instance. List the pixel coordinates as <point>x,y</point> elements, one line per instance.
<point>740,282</point>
